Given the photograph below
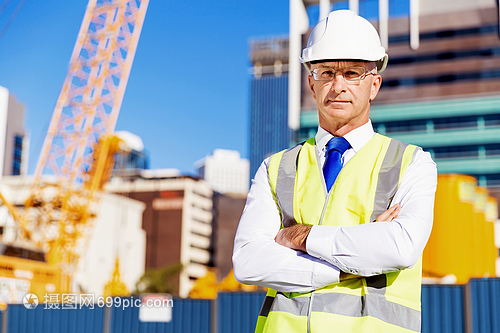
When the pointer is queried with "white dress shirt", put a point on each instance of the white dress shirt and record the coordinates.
(365, 250)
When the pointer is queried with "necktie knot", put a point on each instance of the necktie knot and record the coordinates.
(336, 147)
(339, 144)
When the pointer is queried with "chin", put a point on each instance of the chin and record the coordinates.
(339, 114)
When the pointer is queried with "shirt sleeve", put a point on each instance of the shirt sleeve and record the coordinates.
(383, 247)
(259, 260)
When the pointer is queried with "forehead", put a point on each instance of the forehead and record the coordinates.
(340, 64)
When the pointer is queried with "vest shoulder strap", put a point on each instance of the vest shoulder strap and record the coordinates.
(285, 183)
(389, 176)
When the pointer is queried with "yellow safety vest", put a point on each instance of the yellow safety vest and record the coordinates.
(363, 190)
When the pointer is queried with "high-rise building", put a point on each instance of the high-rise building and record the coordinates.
(269, 131)
(13, 139)
(225, 171)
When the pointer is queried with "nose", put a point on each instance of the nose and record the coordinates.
(338, 83)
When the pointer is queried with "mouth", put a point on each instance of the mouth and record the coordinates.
(337, 102)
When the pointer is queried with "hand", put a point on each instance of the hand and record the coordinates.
(389, 214)
(294, 237)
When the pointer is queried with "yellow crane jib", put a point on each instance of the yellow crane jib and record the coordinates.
(77, 155)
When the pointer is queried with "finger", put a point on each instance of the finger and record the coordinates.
(385, 215)
(278, 236)
(392, 216)
(282, 239)
(389, 214)
(395, 214)
(396, 207)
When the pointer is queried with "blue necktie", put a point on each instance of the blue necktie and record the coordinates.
(336, 147)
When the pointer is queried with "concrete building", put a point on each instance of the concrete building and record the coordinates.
(116, 232)
(227, 214)
(177, 220)
(225, 171)
(13, 139)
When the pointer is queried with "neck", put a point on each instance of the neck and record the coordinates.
(340, 129)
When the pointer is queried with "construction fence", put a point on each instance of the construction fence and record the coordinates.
(470, 308)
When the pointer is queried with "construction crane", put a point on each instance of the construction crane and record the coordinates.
(77, 155)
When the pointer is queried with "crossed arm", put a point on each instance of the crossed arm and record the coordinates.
(295, 237)
(260, 257)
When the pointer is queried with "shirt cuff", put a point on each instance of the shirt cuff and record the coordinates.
(324, 274)
(319, 242)
(319, 245)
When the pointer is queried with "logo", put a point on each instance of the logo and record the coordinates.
(30, 301)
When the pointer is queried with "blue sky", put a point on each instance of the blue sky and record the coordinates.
(188, 90)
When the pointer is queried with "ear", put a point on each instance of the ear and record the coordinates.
(377, 82)
(311, 86)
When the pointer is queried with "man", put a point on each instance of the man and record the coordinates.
(307, 230)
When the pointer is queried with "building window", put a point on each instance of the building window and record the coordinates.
(18, 154)
(466, 151)
(438, 124)
(130, 164)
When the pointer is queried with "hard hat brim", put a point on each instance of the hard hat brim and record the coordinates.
(381, 63)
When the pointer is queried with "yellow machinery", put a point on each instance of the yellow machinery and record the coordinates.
(22, 270)
(207, 286)
(77, 154)
(491, 217)
(462, 238)
(115, 286)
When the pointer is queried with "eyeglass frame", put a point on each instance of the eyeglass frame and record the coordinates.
(361, 77)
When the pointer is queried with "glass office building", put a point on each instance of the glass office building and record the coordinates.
(269, 131)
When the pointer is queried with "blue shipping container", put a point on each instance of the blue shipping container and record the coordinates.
(188, 315)
(238, 312)
(79, 320)
(442, 309)
(485, 305)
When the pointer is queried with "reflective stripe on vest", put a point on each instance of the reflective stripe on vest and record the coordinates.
(346, 305)
(372, 303)
(286, 183)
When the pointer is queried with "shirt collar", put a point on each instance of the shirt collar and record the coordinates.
(357, 138)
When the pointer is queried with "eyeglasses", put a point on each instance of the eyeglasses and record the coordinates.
(350, 74)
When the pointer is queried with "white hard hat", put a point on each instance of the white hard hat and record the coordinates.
(344, 35)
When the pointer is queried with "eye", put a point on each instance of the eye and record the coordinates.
(352, 73)
(326, 73)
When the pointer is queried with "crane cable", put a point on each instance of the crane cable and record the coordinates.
(13, 16)
(3, 6)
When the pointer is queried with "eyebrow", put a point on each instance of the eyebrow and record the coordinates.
(332, 67)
